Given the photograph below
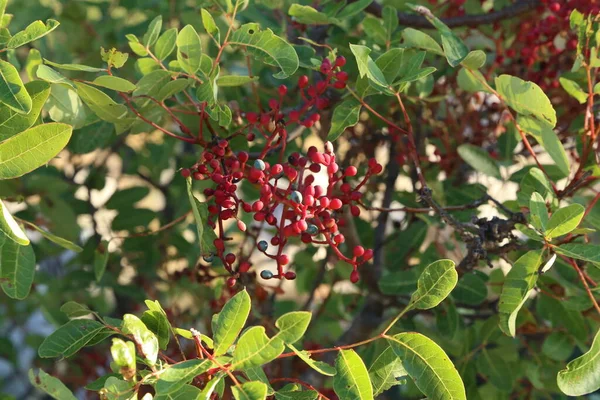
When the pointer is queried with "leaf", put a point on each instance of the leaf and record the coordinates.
(101, 256)
(518, 283)
(421, 40)
(538, 212)
(255, 348)
(543, 133)
(17, 268)
(428, 365)
(209, 25)
(474, 60)
(12, 122)
(526, 98)
(352, 380)
(145, 338)
(74, 310)
(74, 67)
(582, 375)
(471, 81)
(308, 15)
(573, 88)
(127, 197)
(471, 289)
(292, 326)
(12, 91)
(65, 105)
(32, 148)
(123, 354)
(156, 320)
(10, 228)
(34, 31)
(534, 181)
(50, 385)
(250, 391)
(56, 239)
(189, 49)
(345, 115)
(71, 337)
(114, 58)
(353, 9)
(153, 31)
(558, 346)
(166, 44)
(585, 252)
(564, 220)
(228, 324)
(48, 74)
(150, 85)
(367, 67)
(480, 160)
(200, 210)
(496, 369)
(454, 48)
(275, 50)
(114, 83)
(319, 366)
(385, 370)
(101, 104)
(294, 392)
(234, 80)
(435, 284)
(177, 375)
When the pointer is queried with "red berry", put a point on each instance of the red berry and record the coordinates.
(351, 171)
(335, 204)
(185, 173)
(230, 258)
(302, 81)
(368, 255)
(231, 281)
(251, 117)
(342, 76)
(290, 275)
(283, 259)
(340, 61)
(294, 116)
(282, 90)
(339, 85)
(359, 251)
(354, 277)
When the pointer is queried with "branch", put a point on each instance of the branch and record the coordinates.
(471, 20)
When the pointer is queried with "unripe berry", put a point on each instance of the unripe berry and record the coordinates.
(335, 204)
(350, 171)
(197, 176)
(282, 90)
(368, 255)
(219, 244)
(358, 251)
(185, 173)
(231, 281)
(251, 117)
(290, 275)
(342, 76)
(230, 258)
(274, 104)
(340, 61)
(241, 225)
(302, 81)
(266, 274)
(339, 85)
(294, 116)
(354, 277)
(283, 259)
(244, 267)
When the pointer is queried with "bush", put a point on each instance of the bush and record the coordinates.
(254, 200)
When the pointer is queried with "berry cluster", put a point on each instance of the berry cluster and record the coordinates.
(290, 202)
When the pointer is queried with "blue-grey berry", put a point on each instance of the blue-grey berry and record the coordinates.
(260, 165)
(312, 229)
(296, 197)
(266, 274)
(262, 245)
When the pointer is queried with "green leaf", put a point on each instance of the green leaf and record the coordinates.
(177, 375)
(538, 211)
(319, 366)
(250, 391)
(150, 85)
(17, 268)
(352, 380)
(234, 80)
(353, 9)
(495, 369)
(32, 148)
(519, 282)
(345, 115)
(153, 31)
(582, 375)
(367, 67)
(428, 365)
(145, 338)
(209, 25)
(12, 122)
(74, 310)
(171, 88)
(471, 289)
(480, 160)
(65, 105)
(12, 91)
(454, 48)
(114, 58)
(166, 44)
(101, 104)
(200, 210)
(435, 284)
(292, 326)
(127, 197)
(10, 228)
(585, 252)
(34, 31)
(564, 220)
(56, 239)
(74, 67)
(156, 320)
(123, 354)
(573, 88)
(471, 81)
(189, 49)
(294, 392)
(71, 337)
(101, 255)
(275, 50)
(534, 181)
(50, 385)
(308, 15)
(255, 348)
(558, 346)
(48, 74)
(114, 83)
(421, 40)
(526, 98)
(385, 370)
(474, 60)
(543, 133)
(228, 324)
